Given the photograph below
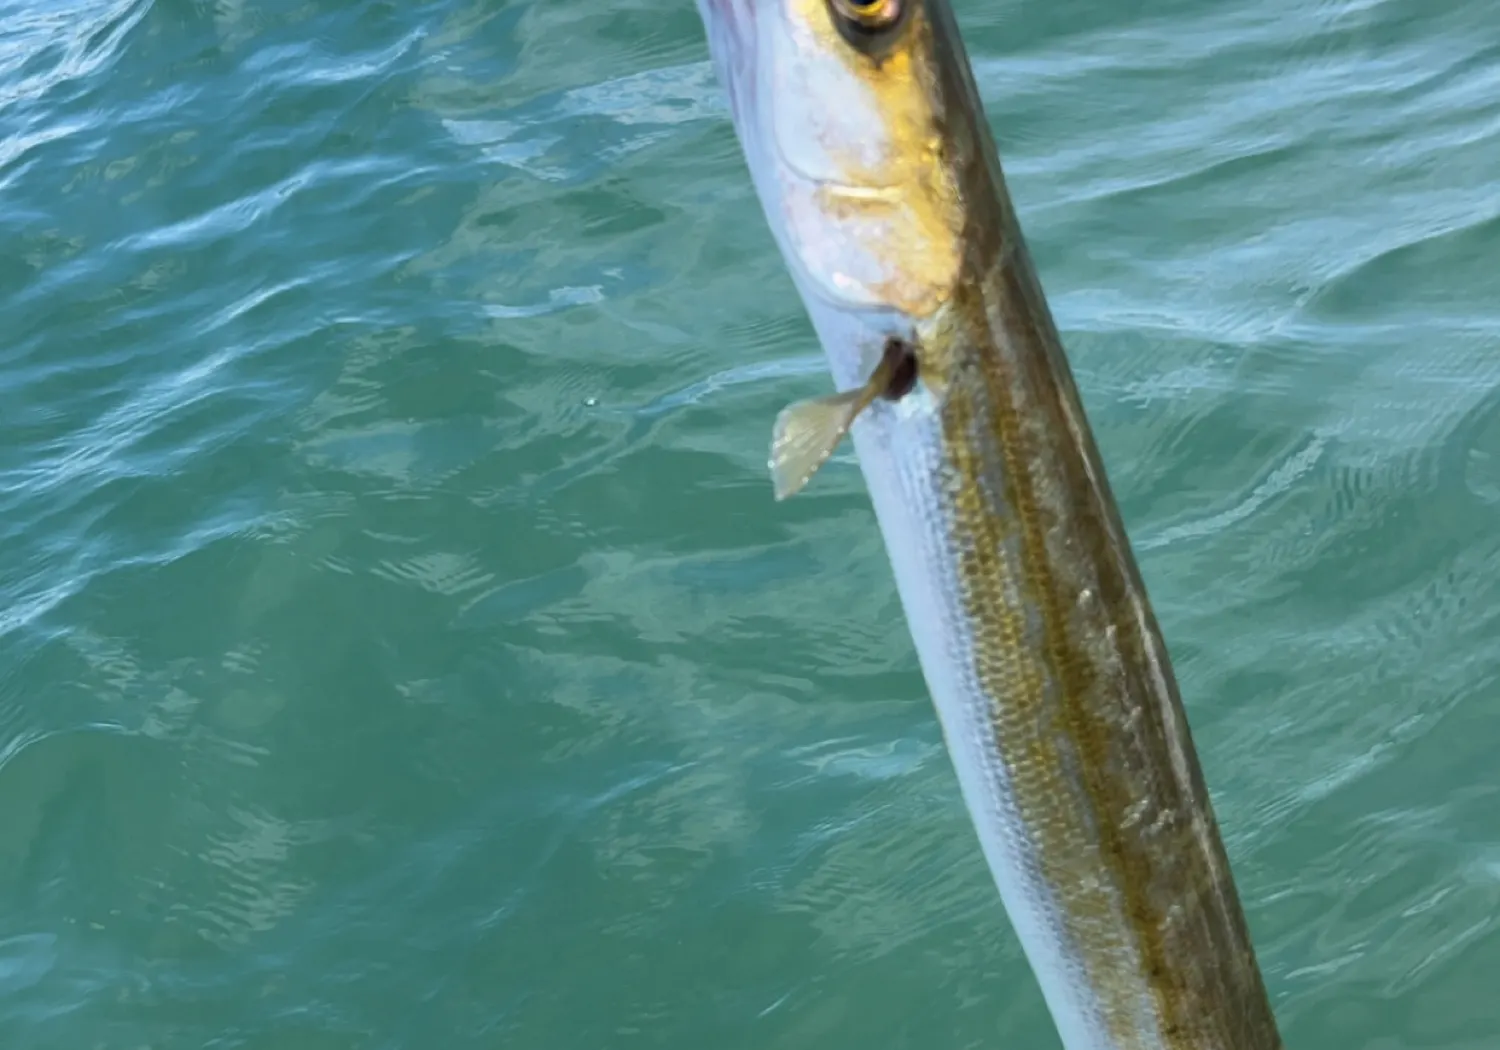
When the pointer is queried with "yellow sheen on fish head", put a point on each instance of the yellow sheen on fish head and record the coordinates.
(867, 184)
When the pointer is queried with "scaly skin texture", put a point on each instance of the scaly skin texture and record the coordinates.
(1047, 668)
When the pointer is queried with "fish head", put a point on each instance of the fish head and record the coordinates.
(861, 128)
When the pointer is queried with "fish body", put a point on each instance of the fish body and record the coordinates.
(866, 141)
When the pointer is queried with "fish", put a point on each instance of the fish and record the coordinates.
(877, 172)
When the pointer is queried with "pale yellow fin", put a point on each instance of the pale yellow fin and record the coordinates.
(805, 435)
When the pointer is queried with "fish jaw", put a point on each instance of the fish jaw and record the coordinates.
(862, 202)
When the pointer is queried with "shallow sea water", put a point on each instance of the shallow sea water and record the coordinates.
(399, 645)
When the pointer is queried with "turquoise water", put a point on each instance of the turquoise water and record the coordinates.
(399, 645)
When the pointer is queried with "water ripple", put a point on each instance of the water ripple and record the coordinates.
(398, 645)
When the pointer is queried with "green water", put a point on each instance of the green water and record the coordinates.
(399, 645)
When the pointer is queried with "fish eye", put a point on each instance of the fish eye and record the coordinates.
(860, 20)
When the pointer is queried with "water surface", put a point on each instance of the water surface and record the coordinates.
(399, 645)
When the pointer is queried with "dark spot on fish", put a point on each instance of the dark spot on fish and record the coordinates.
(900, 364)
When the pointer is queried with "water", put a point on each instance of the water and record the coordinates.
(399, 646)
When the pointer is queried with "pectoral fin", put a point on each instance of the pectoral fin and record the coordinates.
(805, 435)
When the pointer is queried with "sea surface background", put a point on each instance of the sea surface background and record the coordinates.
(400, 647)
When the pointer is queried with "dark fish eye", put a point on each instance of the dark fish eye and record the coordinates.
(865, 18)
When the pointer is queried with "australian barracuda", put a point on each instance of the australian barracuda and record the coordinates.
(869, 150)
